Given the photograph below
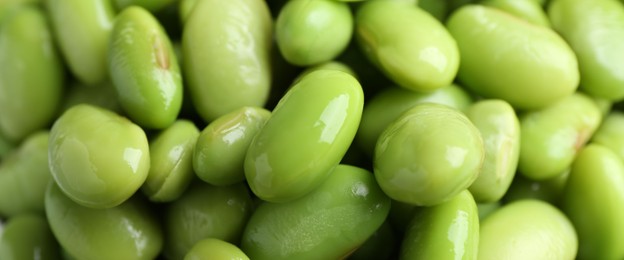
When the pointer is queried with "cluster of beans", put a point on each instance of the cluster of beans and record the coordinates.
(311, 129)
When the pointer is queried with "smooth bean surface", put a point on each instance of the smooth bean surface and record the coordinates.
(309, 32)
(594, 30)
(226, 47)
(390, 33)
(144, 69)
(31, 78)
(500, 129)
(428, 155)
(551, 137)
(127, 231)
(504, 57)
(593, 199)
(171, 162)
(82, 29)
(98, 158)
(328, 223)
(449, 230)
(527, 229)
(307, 134)
(219, 154)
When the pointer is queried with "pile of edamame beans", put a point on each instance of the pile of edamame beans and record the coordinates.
(311, 129)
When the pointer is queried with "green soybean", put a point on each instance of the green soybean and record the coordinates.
(127, 231)
(328, 223)
(220, 151)
(31, 74)
(449, 230)
(309, 32)
(551, 137)
(499, 127)
(206, 211)
(387, 105)
(527, 229)
(98, 158)
(428, 155)
(593, 199)
(504, 57)
(226, 51)
(528, 10)
(171, 162)
(24, 177)
(610, 134)
(392, 35)
(82, 29)
(211, 248)
(28, 237)
(594, 30)
(144, 69)
(308, 133)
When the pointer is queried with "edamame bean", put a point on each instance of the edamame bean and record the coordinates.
(31, 74)
(308, 133)
(504, 57)
(391, 34)
(387, 105)
(528, 10)
(98, 158)
(144, 69)
(428, 155)
(550, 137)
(499, 127)
(171, 162)
(28, 237)
(328, 223)
(219, 154)
(593, 199)
(82, 29)
(449, 230)
(127, 231)
(610, 134)
(24, 177)
(595, 31)
(206, 211)
(211, 248)
(309, 32)
(527, 229)
(225, 46)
